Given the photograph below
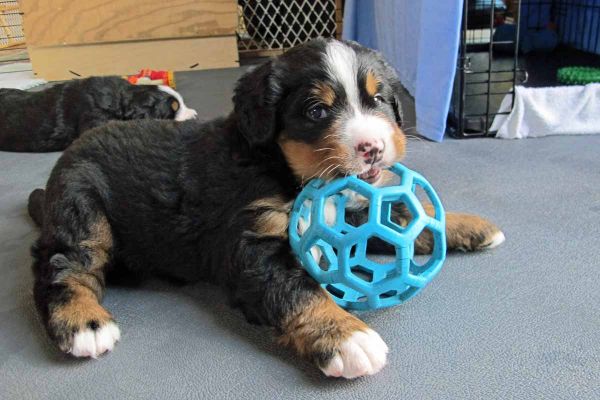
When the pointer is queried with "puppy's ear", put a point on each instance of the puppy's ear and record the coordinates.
(397, 105)
(255, 105)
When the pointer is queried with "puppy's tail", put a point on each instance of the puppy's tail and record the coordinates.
(35, 206)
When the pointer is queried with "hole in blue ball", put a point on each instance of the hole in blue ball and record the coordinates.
(396, 215)
(422, 255)
(353, 251)
(388, 294)
(362, 273)
(335, 291)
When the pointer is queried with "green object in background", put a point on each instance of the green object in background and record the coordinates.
(578, 75)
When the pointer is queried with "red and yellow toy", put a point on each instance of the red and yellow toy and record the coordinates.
(152, 77)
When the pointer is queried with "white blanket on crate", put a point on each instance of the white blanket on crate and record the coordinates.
(564, 110)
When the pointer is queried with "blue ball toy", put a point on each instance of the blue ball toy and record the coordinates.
(334, 252)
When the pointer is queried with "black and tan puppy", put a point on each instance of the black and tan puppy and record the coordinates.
(211, 200)
(49, 120)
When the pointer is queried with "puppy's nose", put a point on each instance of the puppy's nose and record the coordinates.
(371, 151)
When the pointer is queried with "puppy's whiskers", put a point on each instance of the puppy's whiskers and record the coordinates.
(329, 170)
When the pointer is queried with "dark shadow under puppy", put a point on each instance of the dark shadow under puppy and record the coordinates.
(51, 119)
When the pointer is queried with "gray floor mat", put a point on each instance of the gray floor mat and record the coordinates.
(521, 321)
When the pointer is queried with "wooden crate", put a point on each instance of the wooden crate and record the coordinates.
(11, 30)
(339, 18)
(67, 38)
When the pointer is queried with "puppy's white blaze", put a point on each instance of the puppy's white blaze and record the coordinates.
(341, 65)
(87, 343)
(363, 353)
(183, 113)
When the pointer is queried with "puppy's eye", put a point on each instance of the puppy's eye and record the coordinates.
(317, 112)
(378, 98)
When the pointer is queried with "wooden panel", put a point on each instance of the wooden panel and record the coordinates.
(339, 18)
(261, 53)
(57, 62)
(53, 22)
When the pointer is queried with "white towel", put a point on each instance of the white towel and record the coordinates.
(18, 76)
(564, 110)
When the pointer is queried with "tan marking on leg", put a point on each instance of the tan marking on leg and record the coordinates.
(80, 325)
(81, 308)
(464, 232)
(319, 327)
(371, 84)
(85, 286)
(273, 218)
(324, 93)
(99, 244)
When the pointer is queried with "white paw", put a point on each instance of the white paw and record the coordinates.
(497, 240)
(89, 343)
(185, 113)
(364, 353)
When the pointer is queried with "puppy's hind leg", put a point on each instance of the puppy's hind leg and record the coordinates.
(71, 257)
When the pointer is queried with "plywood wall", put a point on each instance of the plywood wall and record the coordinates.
(51, 22)
(77, 38)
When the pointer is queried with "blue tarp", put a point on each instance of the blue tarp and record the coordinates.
(420, 38)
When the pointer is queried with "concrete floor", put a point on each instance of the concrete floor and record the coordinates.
(521, 321)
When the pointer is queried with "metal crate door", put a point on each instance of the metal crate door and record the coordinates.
(488, 66)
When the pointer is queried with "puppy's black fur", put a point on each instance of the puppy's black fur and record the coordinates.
(210, 201)
(51, 119)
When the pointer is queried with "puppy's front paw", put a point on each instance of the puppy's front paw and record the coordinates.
(340, 344)
(464, 232)
(467, 232)
(363, 353)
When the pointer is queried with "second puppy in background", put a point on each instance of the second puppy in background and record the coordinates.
(50, 120)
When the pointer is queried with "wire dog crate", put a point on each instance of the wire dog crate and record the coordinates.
(11, 30)
(268, 27)
(12, 38)
(506, 43)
